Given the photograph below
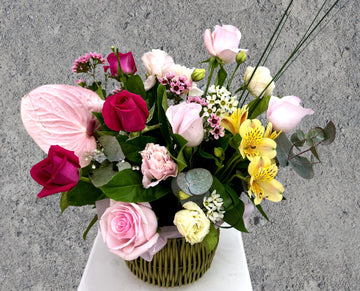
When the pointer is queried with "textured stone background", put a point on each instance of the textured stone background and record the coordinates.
(312, 241)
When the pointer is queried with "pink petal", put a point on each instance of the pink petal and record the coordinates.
(59, 115)
(208, 40)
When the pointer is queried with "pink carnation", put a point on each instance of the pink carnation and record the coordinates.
(156, 165)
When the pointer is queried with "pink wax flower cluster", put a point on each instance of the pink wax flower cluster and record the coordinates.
(156, 165)
(59, 172)
(82, 64)
(129, 229)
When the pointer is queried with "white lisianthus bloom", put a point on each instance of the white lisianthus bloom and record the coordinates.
(259, 81)
(192, 223)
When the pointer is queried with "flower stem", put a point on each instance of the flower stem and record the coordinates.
(232, 76)
(212, 66)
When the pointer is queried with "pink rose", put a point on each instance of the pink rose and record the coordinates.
(185, 120)
(156, 165)
(58, 172)
(127, 64)
(156, 63)
(125, 111)
(223, 42)
(286, 112)
(129, 229)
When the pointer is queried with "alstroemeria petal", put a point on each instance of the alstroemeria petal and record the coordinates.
(59, 115)
(272, 190)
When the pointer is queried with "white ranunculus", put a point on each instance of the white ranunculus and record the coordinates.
(259, 81)
(192, 223)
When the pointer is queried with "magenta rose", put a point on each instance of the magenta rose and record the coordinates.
(156, 165)
(127, 64)
(129, 229)
(58, 172)
(125, 111)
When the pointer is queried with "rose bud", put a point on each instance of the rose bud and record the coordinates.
(127, 64)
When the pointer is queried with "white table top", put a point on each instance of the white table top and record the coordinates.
(105, 271)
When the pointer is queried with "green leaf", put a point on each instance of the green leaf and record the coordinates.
(99, 91)
(260, 106)
(135, 85)
(258, 207)
(103, 174)
(132, 147)
(92, 222)
(330, 133)
(63, 202)
(211, 239)
(127, 186)
(100, 118)
(209, 157)
(84, 193)
(234, 216)
(161, 99)
(179, 159)
(235, 141)
(221, 77)
(300, 134)
(112, 149)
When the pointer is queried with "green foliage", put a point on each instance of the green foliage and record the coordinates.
(132, 147)
(91, 224)
(84, 193)
(179, 157)
(258, 106)
(135, 85)
(211, 240)
(161, 107)
(221, 77)
(100, 118)
(127, 186)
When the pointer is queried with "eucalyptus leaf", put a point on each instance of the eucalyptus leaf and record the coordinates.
(112, 149)
(122, 165)
(330, 133)
(103, 174)
(283, 149)
(302, 166)
(315, 153)
(199, 180)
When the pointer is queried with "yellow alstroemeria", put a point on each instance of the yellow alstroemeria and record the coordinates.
(254, 143)
(233, 122)
(270, 133)
(262, 183)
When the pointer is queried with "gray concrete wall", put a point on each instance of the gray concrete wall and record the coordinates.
(312, 241)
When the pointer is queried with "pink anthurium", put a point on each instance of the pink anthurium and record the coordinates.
(62, 115)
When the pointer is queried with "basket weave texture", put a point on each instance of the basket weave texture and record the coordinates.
(178, 263)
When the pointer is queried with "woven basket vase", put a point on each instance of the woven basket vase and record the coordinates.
(178, 263)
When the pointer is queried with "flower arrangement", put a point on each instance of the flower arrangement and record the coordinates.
(166, 157)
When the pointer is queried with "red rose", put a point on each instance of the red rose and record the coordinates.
(127, 64)
(125, 111)
(58, 172)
